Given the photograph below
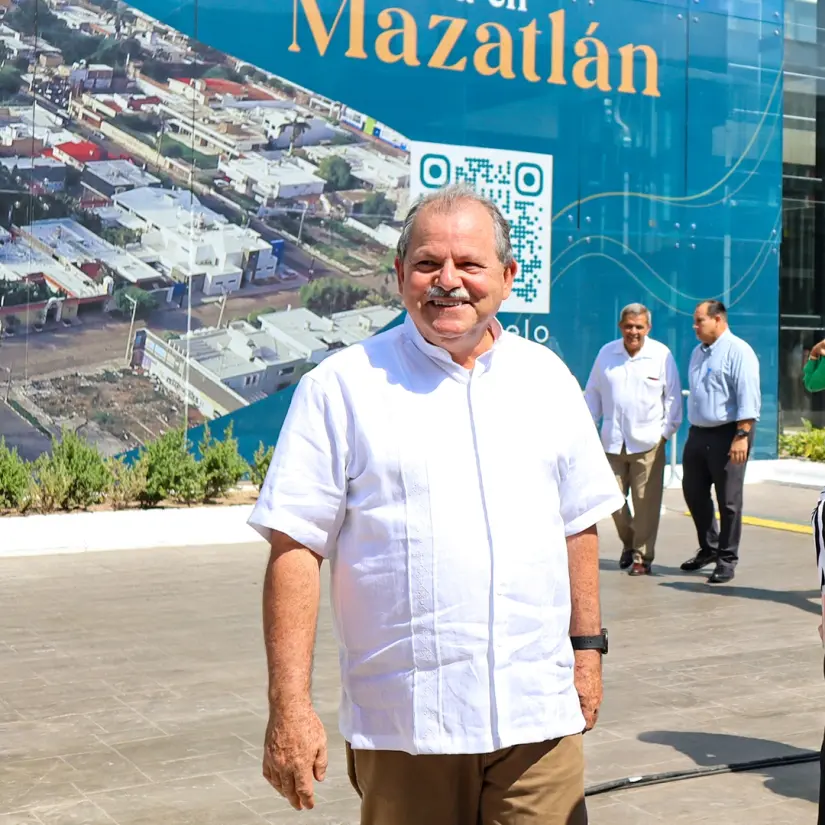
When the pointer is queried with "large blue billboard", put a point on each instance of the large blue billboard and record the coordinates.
(636, 145)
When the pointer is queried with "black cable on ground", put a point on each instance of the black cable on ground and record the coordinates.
(694, 773)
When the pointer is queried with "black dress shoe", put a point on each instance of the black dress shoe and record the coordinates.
(700, 560)
(626, 559)
(720, 576)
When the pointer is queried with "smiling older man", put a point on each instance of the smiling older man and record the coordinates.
(451, 474)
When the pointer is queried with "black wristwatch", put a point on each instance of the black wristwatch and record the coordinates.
(591, 642)
(740, 433)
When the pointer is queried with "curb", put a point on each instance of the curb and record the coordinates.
(125, 530)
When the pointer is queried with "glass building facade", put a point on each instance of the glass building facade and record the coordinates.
(802, 270)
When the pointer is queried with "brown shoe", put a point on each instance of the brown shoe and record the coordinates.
(638, 569)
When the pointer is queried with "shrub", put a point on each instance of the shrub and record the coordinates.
(808, 443)
(88, 478)
(171, 471)
(50, 485)
(14, 478)
(126, 482)
(221, 463)
(260, 464)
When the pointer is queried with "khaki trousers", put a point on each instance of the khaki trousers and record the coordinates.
(537, 784)
(643, 474)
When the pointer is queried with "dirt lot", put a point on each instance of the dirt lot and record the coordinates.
(114, 409)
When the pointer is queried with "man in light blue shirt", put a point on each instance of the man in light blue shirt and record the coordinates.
(723, 409)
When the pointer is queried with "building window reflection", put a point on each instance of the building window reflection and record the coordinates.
(802, 269)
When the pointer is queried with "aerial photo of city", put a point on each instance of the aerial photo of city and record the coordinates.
(136, 163)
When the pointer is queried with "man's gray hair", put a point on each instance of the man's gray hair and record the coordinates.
(445, 200)
(632, 310)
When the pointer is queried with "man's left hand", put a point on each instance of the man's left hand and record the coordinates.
(588, 680)
(739, 451)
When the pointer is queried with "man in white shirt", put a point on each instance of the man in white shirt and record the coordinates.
(450, 473)
(634, 389)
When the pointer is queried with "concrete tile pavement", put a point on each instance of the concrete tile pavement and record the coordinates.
(132, 687)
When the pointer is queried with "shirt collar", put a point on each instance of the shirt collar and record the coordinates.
(619, 349)
(441, 355)
(722, 337)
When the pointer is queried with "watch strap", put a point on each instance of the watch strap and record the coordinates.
(590, 642)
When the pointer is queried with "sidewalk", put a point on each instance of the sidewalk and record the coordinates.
(782, 505)
(132, 686)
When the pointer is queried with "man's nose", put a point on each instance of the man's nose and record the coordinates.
(449, 277)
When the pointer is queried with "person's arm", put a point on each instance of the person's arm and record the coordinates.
(299, 511)
(588, 493)
(673, 398)
(745, 370)
(585, 618)
(813, 373)
(592, 392)
(295, 747)
(291, 596)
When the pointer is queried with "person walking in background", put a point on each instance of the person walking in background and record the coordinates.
(723, 408)
(449, 471)
(813, 379)
(634, 389)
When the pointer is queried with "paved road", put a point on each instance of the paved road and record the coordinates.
(132, 688)
(20, 435)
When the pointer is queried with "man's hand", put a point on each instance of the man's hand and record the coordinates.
(739, 450)
(295, 751)
(818, 351)
(588, 681)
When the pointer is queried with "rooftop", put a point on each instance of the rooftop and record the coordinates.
(359, 324)
(121, 173)
(29, 163)
(368, 164)
(19, 260)
(74, 242)
(82, 150)
(164, 207)
(273, 174)
(313, 332)
(219, 87)
(239, 349)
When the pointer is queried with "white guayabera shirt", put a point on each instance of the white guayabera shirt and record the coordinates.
(638, 397)
(442, 498)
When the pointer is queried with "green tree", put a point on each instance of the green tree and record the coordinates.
(9, 81)
(127, 482)
(221, 464)
(73, 476)
(328, 295)
(260, 464)
(120, 235)
(377, 207)
(14, 478)
(171, 471)
(336, 171)
(146, 302)
(223, 73)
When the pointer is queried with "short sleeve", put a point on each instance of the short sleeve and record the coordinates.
(588, 491)
(304, 494)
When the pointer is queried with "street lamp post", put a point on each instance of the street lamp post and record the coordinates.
(133, 302)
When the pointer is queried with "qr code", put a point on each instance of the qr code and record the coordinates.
(521, 184)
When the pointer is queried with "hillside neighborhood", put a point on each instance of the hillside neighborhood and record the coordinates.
(144, 175)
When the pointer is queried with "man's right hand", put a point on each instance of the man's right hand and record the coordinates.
(295, 751)
(818, 351)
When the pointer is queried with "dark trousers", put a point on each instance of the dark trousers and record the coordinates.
(706, 464)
